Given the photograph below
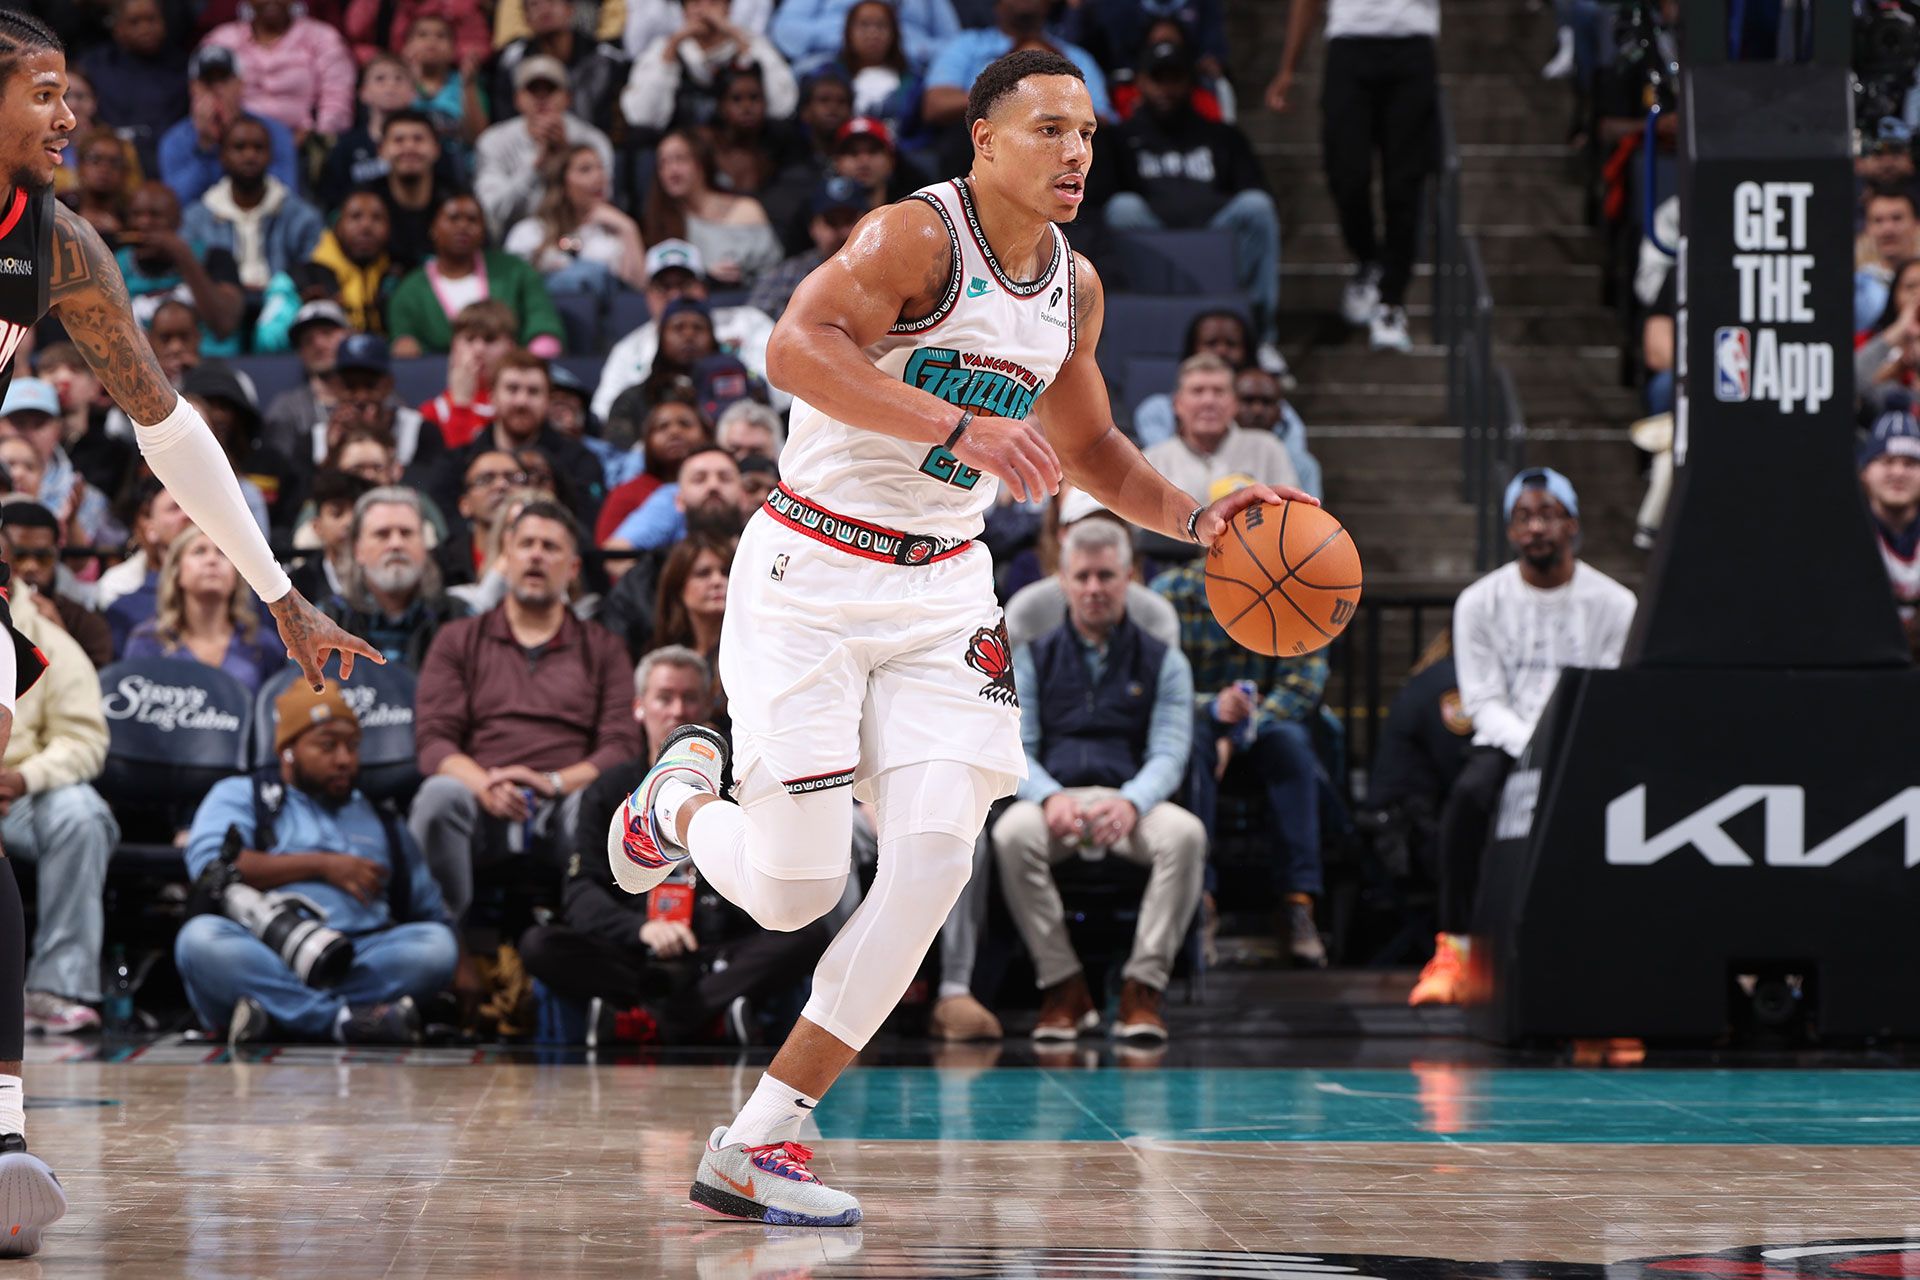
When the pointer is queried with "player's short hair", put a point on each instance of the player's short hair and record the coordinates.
(671, 655)
(1204, 362)
(22, 34)
(1004, 75)
(1096, 535)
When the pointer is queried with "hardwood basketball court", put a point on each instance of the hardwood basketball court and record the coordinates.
(182, 1161)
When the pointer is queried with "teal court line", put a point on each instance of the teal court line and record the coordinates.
(1439, 1104)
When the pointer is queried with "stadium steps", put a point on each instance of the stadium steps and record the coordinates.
(1380, 423)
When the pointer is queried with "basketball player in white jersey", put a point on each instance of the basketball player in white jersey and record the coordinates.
(53, 261)
(946, 350)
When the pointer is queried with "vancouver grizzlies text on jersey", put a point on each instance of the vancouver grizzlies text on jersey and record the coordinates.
(992, 347)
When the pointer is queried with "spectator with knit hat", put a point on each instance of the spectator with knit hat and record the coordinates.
(354, 864)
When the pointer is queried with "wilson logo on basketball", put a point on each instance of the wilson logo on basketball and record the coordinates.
(990, 654)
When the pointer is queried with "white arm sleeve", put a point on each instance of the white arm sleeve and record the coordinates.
(187, 459)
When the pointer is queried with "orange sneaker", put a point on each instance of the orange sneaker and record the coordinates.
(1444, 980)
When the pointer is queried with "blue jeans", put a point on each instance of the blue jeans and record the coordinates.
(69, 834)
(1255, 224)
(1287, 766)
(220, 963)
(1660, 392)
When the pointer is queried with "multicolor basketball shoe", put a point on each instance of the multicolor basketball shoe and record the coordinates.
(770, 1184)
(639, 852)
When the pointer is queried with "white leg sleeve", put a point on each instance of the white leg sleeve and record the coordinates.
(783, 859)
(930, 815)
(188, 460)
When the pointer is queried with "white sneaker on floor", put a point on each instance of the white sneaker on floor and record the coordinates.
(1361, 296)
(1389, 329)
(54, 1015)
(1270, 359)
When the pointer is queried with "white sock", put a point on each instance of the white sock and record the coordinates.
(773, 1114)
(666, 805)
(948, 990)
(13, 1105)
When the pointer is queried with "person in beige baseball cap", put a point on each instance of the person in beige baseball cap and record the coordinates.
(317, 843)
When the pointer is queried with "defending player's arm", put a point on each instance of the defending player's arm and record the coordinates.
(88, 294)
(897, 262)
(1078, 420)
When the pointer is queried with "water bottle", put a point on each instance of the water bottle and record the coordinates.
(1249, 729)
(120, 994)
(520, 834)
(1089, 849)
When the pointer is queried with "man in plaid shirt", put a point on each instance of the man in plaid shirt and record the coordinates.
(1282, 754)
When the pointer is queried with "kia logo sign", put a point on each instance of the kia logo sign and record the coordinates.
(167, 707)
(1785, 810)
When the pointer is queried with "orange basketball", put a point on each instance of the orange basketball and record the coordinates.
(1284, 580)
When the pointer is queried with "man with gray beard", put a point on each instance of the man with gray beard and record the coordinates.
(393, 597)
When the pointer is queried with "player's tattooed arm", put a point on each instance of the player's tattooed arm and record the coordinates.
(933, 287)
(1089, 305)
(89, 295)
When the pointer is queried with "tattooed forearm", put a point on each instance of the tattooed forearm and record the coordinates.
(90, 297)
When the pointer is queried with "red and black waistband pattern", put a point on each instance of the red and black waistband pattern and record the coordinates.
(857, 537)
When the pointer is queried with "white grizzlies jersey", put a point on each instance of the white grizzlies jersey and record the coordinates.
(993, 345)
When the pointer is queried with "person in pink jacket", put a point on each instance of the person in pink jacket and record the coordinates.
(472, 37)
(297, 70)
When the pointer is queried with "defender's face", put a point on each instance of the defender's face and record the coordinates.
(1038, 145)
(37, 121)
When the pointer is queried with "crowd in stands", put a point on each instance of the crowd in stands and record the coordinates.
(477, 300)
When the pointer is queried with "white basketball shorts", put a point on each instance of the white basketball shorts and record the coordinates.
(839, 667)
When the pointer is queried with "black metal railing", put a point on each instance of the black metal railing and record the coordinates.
(1367, 666)
(1481, 398)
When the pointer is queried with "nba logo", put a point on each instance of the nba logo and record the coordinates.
(1732, 364)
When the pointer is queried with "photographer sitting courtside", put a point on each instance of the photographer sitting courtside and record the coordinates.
(311, 833)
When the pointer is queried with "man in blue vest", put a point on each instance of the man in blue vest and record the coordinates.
(1106, 717)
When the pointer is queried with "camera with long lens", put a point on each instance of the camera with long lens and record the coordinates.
(293, 926)
(1886, 50)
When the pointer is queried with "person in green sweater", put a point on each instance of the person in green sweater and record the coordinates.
(463, 270)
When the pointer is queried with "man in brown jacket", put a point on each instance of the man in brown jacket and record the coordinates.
(517, 711)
